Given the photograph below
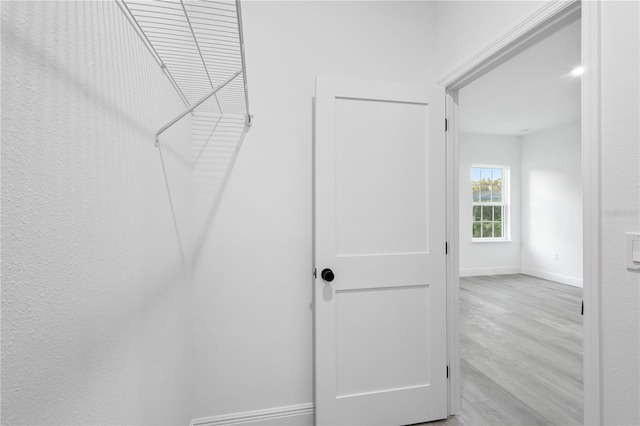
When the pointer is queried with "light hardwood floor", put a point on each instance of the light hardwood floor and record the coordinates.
(521, 352)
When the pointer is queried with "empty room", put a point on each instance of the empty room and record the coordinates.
(255, 212)
(521, 238)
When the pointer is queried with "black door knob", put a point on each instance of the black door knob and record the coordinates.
(327, 275)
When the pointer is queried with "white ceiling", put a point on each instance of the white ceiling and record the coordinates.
(534, 90)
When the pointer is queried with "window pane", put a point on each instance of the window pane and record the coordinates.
(497, 229)
(487, 230)
(497, 213)
(476, 192)
(497, 192)
(487, 213)
(475, 174)
(476, 230)
(485, 184)
(485, 192)
(496, 183)
(477, 213)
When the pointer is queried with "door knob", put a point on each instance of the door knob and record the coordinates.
(327, 275)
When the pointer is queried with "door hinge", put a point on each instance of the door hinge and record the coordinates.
(315, 273)
(582, 309)
(446, 125)
(446, 247)
(447, 371)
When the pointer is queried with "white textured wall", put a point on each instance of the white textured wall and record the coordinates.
(460, 39)
(96, 312)
(552, 204)
(488, 258)
(620, 203)
(254, 287)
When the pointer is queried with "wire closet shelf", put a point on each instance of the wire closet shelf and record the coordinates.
(199, 46)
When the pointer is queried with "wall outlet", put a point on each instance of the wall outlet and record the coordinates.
(555, 256)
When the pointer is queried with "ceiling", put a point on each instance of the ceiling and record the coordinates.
(534, 90)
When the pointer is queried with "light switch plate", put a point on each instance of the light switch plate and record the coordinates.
(633, 251)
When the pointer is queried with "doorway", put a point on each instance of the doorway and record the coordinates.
(521, 238)
(534, 29)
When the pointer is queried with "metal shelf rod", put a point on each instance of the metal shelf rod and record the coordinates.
(244, 71)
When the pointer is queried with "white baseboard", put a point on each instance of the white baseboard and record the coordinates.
(497, 270)
(563, 279)
(292, 415)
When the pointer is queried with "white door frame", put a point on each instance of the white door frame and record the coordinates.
(543, 22)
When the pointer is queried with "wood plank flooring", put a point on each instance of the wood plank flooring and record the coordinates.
(521, 352)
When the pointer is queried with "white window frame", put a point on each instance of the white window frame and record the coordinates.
(505, 203)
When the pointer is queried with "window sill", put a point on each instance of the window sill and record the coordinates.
(484, 240)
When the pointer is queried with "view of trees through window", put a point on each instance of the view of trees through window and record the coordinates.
(488, 202)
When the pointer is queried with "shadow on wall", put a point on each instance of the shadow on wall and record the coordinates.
(78, 77)
(215, 143)
(95, 307)
(217, 140)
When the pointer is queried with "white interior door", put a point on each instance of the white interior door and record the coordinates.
(380, 323)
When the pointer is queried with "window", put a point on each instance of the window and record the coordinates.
(490, 191)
